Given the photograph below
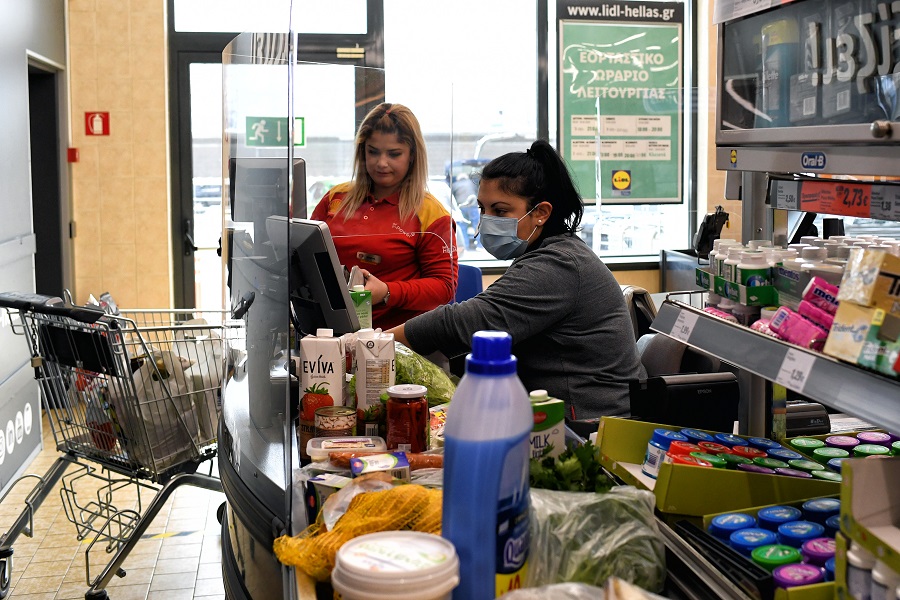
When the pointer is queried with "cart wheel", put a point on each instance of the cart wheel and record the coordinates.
(220, 513)
(96, 595)
(5, 576)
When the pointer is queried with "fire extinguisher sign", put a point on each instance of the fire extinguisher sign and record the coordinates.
(96, 123)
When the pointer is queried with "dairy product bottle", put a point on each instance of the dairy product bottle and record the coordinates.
(486, 458)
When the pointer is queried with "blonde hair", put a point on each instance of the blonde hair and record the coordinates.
(396, 119)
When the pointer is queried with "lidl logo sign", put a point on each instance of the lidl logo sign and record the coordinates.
(621, 183)
(733, 158)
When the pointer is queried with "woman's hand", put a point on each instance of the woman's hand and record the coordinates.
(378, 288)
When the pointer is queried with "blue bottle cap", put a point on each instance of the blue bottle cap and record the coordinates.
(829, 569)
(664, 437)
(764, 443)
(730, 439)
(745, 540)
(491, 354)
(835, 463)
(784, 454)
(832, 525)
(695, 435)
(819, 509)
(773, 516)
(797, 532)
(722, 526)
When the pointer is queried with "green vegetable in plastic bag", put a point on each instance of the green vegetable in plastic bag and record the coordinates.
(587, 537)
(415, 368)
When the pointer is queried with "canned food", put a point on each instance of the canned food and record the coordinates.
(335, 421)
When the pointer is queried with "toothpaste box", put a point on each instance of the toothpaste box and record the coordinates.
(393, 463)
(549, 424)
(318, 489)
(866, 336)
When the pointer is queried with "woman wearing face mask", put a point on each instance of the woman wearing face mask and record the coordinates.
(565, 311)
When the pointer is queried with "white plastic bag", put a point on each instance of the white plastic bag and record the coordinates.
(204, 348)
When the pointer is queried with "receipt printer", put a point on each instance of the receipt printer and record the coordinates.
(701, 400)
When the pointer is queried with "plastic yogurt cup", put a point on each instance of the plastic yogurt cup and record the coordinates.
(792, 473)
(771, 517)
(794, 575)
(820, 509)
(401, 565)
(722, 526)
(797, 532)
(784, 454)
(695, 435)
(745, 540)
(775, 555)
(817, 551)
(867, 450)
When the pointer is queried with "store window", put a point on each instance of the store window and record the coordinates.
(334, 16)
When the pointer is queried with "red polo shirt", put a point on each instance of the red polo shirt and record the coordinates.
(416, 257)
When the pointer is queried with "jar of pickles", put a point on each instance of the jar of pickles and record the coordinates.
(407, 418)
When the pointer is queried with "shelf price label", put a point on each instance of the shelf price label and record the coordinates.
(684, 325)
(787, 194)
(795, 370)
(847, 198)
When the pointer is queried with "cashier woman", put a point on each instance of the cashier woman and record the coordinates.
(564, 309)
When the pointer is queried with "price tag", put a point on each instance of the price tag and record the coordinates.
(848, 198)
(684, 325)
(886, 202)
(787, 196)
(748, 7)
(795, 370)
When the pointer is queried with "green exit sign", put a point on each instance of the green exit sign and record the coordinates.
(273, 131)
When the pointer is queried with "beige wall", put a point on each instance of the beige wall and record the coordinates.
(117, 60)
(647, 279)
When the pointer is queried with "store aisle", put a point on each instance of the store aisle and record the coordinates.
(179, 557)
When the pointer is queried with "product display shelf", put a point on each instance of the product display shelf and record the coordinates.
(864, 394)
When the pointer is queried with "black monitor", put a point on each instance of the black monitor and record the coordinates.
(258, 185)
(319, 297)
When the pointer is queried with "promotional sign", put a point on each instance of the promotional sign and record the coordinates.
(620, 90)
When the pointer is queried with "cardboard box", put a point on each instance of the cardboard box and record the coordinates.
(858, 336)
(762, 295)
(318, 489)
(393, 463)
(872, 278)
(870, 506)
(695, 491)
(789, 285)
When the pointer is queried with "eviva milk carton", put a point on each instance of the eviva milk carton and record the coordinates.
(549, 421)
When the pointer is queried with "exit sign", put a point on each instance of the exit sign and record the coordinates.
(273, 131)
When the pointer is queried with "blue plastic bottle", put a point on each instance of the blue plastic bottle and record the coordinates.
(486, 456)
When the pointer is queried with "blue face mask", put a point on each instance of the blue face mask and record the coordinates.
(499, 236)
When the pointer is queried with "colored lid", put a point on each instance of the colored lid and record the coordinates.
(664, 437)
(793, 575)
(895, 448)
(784, 454)
(724, 525)
(792, 473)
(835, 463)
(866, 450)
(874, 437)
(819, 509)
(748, 452)
(764, 443)
(829, 569)
(803, 443)
(695, 435)
(687, 459)
(730, 439)
(733, 460)
(772, 463)
(769, 557)
(714, 448)
(833, 525)
(805, 465)
(676, 448)
(797, 532)
(715, 461)
(491, 354)
(751, 468)
(826, 453)
(841, 441)
(745, 540)
(827, 475)
(818, 550)
(771, 517)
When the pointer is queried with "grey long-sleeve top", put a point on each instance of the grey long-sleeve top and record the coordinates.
(566, 313)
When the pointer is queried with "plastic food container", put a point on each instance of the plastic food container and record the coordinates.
(826, 453)
(745, 540)
(833, 525)
(829, 569)
(773, 516)
(751, 468)
(844, 442)
(867, 450)
(806, 445)
(785, 454)
(730, 440)
(794, 575)
(695, 436)
(874, 437)
(817, 551)
(827, 475)
(770, 557)
(714, 448)
(797, 532)
(677, 448)
(715, 461)
(722, 526)
(681, 459)
(819, 510)
(656, 450)
(771, 463)
(748, 452)
(318, 448)
(805, 465)
(792, 473)
(396, 565)
(835, 463)
(764, 443)
(733, 460)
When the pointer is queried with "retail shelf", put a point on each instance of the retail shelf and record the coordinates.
(869, 396)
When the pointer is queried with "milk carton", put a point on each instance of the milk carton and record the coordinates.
(376, 371)
(321, 380)
(549, 422)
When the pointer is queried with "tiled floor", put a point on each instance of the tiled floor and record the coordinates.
(51, 564)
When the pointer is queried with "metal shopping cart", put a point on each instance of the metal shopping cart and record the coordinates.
(132, 400)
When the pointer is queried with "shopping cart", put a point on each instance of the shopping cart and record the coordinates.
(132, 400)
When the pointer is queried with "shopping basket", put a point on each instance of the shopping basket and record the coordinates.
(132, 399)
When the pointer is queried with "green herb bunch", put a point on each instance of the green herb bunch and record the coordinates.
(577, 469)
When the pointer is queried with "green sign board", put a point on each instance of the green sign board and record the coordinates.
(620, 91)
(273, 131)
